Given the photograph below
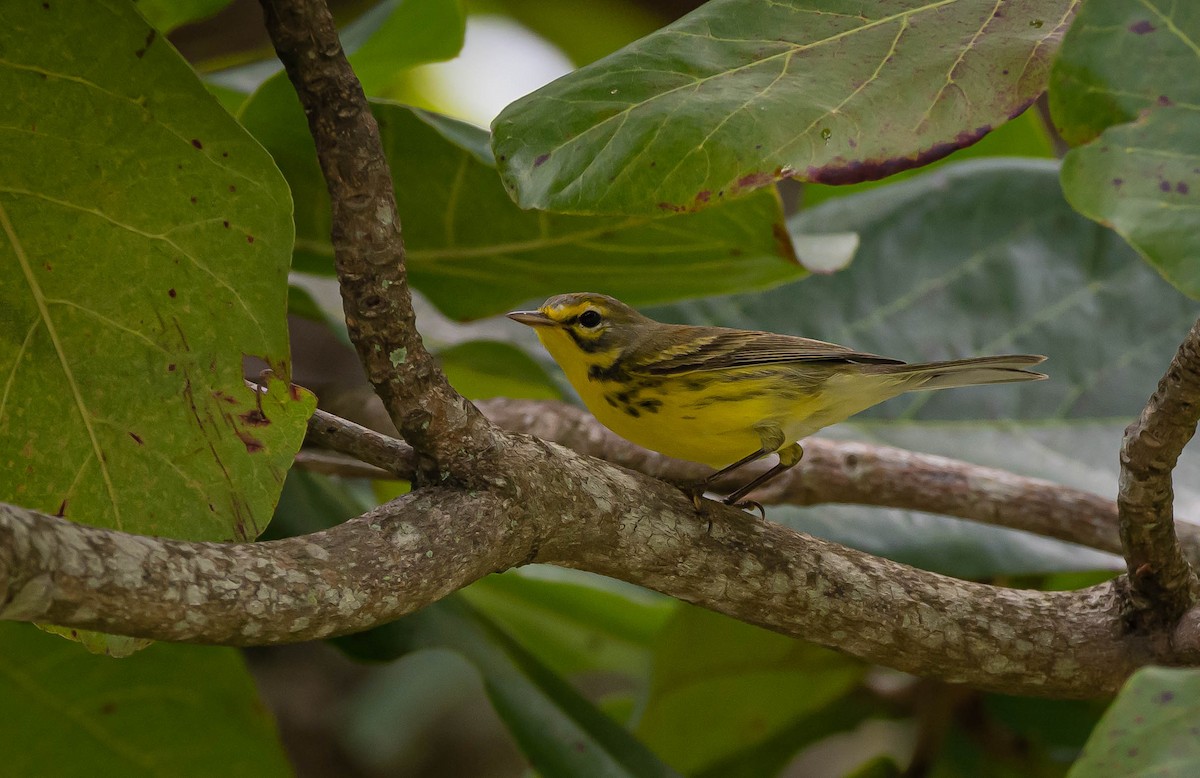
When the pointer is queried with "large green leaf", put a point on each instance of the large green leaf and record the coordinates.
(741, 683)
(978, 258)
(1150, 730)
(171, 710)
(1120, 58)
(561, 732)
(742, 93)
(473, 253)
(1143, 180)
(145, 242)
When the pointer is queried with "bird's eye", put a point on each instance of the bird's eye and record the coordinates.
(590, 319)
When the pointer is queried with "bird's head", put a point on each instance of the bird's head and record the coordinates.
(584, 327)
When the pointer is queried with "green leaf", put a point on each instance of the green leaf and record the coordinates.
(166, 15)
(144, 239)
(1143, 180)
(481, 369)
(977, 258)
(172, 709)
(741, 93)
(572, 621)
(473, 253)
(1150, 730)
(145, 242)
(1120, 58)
(561, 732)
(740, 684)
(397, 35)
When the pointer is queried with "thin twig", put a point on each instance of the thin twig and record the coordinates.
(328, 463)
(1162, 583)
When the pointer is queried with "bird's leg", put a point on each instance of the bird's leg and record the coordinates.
(698, 489)
(772, 439)
(788, 457)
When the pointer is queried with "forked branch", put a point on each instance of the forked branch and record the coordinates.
(443, 428)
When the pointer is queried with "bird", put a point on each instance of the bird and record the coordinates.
(727, 397)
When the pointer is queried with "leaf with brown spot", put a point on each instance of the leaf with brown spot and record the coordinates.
(100, 352)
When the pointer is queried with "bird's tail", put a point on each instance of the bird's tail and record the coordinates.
(965, 372)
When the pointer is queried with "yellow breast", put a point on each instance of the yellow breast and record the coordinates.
(702, 417)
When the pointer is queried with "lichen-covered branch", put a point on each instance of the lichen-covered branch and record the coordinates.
(563, 508)
(831, 472)
(442, 427)
(1163, 584)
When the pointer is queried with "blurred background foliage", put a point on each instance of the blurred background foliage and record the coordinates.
(586, 676)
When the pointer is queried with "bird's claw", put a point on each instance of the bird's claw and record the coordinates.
(747, 505)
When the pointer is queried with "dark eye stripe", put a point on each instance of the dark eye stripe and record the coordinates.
(591, 346)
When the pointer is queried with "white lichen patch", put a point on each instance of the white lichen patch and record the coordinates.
(30, 601)
(349, 602)
(315, 551)
(84, 613)
(407, 536)
(750, 567)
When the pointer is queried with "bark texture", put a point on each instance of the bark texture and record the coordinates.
(1164, 587)
(368, 248)
(831, 472)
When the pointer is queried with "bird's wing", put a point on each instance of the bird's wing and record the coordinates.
(716, 348)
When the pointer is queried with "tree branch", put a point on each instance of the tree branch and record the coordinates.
(532, 501)
(1163, 584)
(368, 249)
(831, 472)
(578, 512)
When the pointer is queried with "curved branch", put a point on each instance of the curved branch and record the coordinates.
(368, 249)
(1163, 584)
(415, 550)
(831, 472)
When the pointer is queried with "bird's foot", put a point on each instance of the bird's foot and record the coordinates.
(747, 505)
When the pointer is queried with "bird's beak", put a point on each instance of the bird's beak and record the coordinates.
(532, 318)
